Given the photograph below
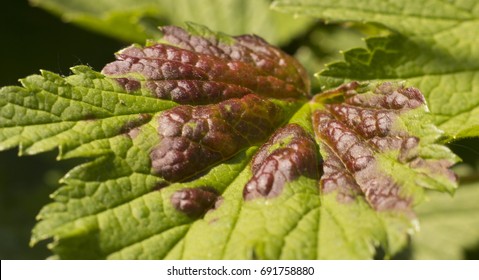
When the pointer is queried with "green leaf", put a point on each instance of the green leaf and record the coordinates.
(137, 20)
(206, 146)
(449, 226)
(432, 45)
(83, 109)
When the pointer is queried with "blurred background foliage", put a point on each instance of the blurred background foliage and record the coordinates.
(34, 39)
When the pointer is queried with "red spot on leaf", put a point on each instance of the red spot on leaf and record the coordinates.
(195, 202)
(355, 131)
(204, 70)
(296, 156)
(195, 138)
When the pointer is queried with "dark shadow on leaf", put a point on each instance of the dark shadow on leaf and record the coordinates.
(472, 253)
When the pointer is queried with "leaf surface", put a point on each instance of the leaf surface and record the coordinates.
(137, 20)
(433, 49)
(206, 146)
(442, 218)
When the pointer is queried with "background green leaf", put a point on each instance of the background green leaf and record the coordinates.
(137, 20)
(432, 49)
(449, 226)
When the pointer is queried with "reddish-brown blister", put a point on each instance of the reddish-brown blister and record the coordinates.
(385, 96)
(295, 156)
(192, 138)
(336, 178)
(353, 132)
(249, 49)
(196, 70)
(195, 202)
(195, 91)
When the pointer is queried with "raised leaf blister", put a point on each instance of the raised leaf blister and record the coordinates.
(365, 140)
(195, 202)
(190, 69)
(194, 138)
(288, 154)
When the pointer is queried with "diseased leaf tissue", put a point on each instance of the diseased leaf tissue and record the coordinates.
(215, 137)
